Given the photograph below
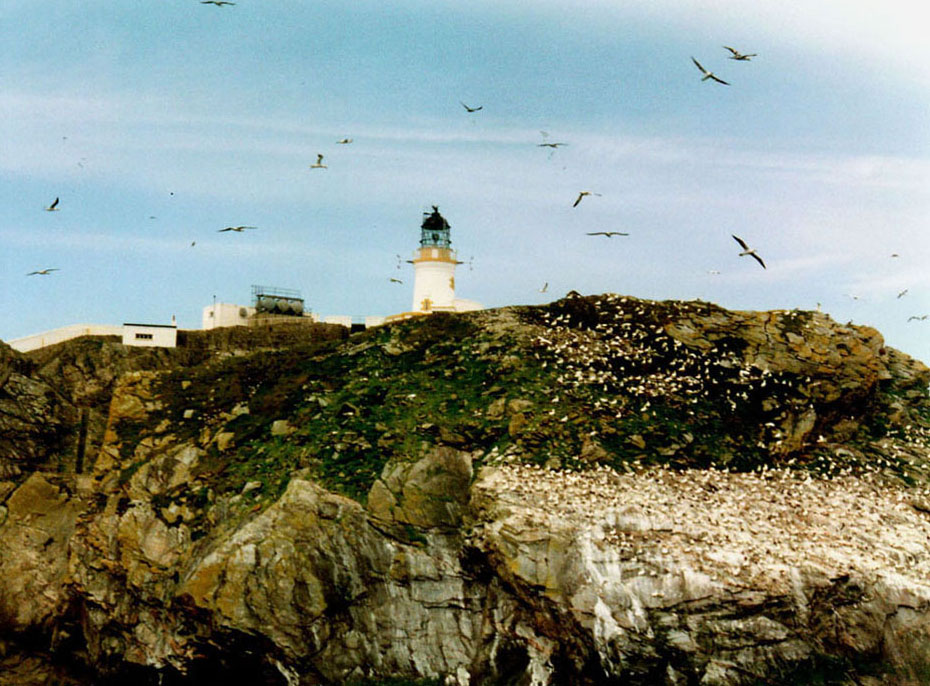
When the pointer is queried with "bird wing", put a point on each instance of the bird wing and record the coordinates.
(597, 233)
(698, 65)
(228, 228)
(580, 196)
(741, 242)
(758, 259)
(735, 53)
(718, 80)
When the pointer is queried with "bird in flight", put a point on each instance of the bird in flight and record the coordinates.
(53, 207)
(920, 319)
(344, 141)
(737, 55)
(707, 74)
(747, 250)
(319, 163)
(44, 272)
(393, 280)
(607, 234)
(550, 145)
(237, 229)
(902, 293)
(581, 195)
(544, 288)
(218, 3)
(471, 109)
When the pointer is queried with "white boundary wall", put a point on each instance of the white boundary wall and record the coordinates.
(65, 333)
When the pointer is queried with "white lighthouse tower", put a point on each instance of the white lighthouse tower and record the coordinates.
(434, 267)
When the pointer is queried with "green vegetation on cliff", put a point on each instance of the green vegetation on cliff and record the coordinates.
(586, 380)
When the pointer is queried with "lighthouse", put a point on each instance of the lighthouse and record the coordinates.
(434, 267)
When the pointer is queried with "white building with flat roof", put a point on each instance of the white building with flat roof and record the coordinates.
(226, 314)
(151, 335)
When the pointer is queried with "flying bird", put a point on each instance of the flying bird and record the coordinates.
(737, 55)
(237, 229)
(344, 141)
(902, 294)
(607, 234)
(218, 3)
(920, 319)
(544, 288)
(707, 74)
(550, 145)
(581, 195)
(319, 163)
(471, 109)
(747, 250)
(393, 280)
(53, 207)
(44, 272)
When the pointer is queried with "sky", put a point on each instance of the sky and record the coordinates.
(159, 123)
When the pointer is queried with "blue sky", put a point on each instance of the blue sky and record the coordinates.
(159, 123)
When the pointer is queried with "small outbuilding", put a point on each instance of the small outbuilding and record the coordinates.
(151, 335)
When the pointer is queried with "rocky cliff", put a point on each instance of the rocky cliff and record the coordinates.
(601, 490)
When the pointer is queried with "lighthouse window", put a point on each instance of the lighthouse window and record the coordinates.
(436, 237)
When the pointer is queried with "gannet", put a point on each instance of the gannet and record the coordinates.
(581, 195)
(739, 56)
(747, 250)
(707, 74)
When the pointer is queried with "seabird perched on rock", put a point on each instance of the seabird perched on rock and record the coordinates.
(44, 272)
(53, 207)
(608, 234)
(581, 195)
(319, 163)
(707, 74)
(747, 250)
(737, 55)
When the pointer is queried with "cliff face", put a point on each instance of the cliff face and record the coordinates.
(602, 490)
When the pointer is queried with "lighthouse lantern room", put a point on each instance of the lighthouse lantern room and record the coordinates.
(434, 266)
